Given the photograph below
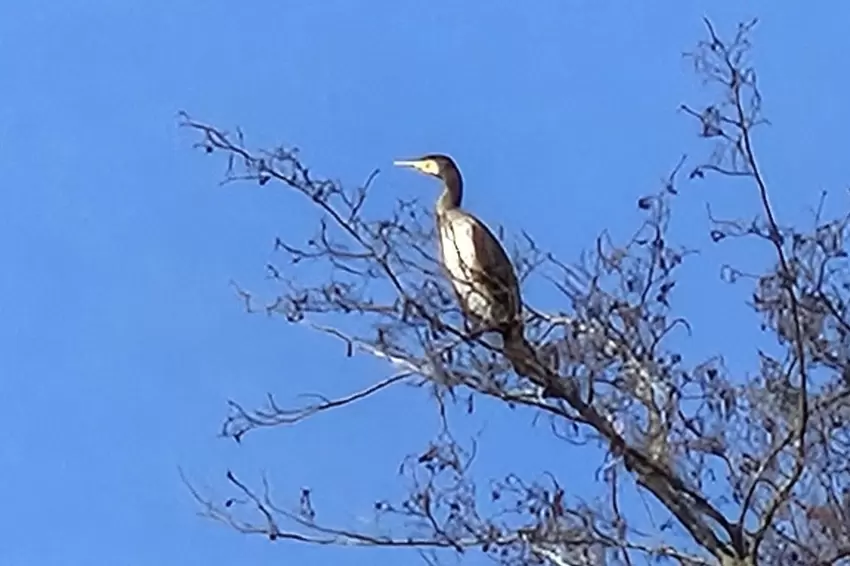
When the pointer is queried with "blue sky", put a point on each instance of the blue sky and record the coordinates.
(121, 339)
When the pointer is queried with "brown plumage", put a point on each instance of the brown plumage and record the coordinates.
(474, 260)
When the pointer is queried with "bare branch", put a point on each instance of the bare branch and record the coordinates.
(750, 466)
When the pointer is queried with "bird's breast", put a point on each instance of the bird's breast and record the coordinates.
(457, 246)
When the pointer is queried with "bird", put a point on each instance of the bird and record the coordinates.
(481, 274)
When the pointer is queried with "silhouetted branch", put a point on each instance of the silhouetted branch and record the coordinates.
(754, 470)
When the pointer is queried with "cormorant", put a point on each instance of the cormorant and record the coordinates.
(480, 271)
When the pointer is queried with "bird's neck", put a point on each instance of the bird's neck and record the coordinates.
(452, 192)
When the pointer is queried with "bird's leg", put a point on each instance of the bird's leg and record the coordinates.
(467, 325)
(479, 330)
(474, 331)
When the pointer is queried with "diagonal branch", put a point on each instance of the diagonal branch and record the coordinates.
(687, 505)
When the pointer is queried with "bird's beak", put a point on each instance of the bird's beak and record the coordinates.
(414, 163)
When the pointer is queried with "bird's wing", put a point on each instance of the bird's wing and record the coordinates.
(494, 260)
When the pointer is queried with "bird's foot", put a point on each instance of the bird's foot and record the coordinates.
(476, 331)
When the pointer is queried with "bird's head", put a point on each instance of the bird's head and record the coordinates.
(436, 165)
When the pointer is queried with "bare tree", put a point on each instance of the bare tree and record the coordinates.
(746, 471)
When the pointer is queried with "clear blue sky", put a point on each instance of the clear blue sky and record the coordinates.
(120, 338)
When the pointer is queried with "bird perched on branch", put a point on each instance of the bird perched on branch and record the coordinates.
(475, 262)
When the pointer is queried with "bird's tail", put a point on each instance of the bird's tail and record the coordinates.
(517, 349)
(513, 334)
(522, 355)
(526, 363)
